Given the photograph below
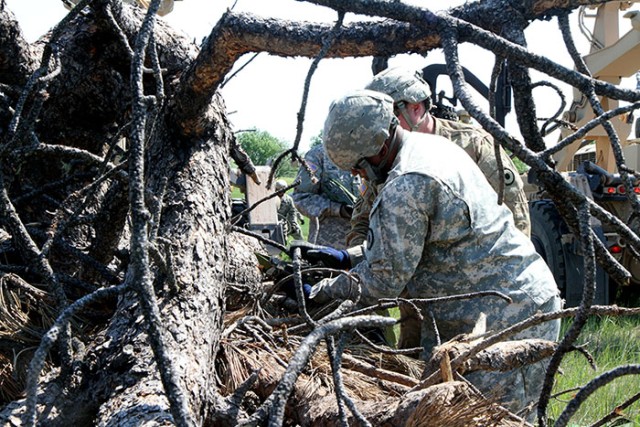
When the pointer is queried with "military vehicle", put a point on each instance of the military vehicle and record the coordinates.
(588, 163)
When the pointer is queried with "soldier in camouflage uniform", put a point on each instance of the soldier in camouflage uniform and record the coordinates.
(287, 212)
(437, 230)
(329, 196)
(411, 96)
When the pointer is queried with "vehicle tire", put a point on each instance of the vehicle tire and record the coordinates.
(547, 228)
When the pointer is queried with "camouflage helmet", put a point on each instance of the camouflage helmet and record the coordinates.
(402, 84)
(281, 184)
(357, 126)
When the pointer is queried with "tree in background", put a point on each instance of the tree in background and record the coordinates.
(263, 148)
(316, 140)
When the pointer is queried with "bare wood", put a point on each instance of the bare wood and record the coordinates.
(502, 356)
(445, 368)
(357, 365)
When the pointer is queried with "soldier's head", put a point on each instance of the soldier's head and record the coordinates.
(463, 116)
(358, 134)
(411, 95)
(281, 184)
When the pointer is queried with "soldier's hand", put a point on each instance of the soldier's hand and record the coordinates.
(328, 256)
(289, 288)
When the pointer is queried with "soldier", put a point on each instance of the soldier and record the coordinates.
(327, 198)
(412, 101)
(287, 212)
(464, 116)
(436, 230)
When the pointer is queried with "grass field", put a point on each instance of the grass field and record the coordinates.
(612, 342)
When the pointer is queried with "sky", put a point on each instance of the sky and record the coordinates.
(267, 94)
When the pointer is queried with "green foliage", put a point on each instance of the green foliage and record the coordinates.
(261, 146)
(520, 165)
(612, 342)
(316, 140)
(264, 148)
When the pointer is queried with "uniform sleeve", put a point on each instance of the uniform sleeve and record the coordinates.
(398, 233)
(514, 195)
(360, 217)
(307, 196)
(291, 212)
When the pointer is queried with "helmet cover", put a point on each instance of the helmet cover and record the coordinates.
(357, 126)
(402, 84)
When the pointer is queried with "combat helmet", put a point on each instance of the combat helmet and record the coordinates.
(403, 85)
(357, 126)
(281, 184)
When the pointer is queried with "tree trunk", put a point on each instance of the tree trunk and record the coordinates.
(115, 380)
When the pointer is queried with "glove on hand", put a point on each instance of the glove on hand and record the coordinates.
(330, 257)
(289, 288)
(346, 211)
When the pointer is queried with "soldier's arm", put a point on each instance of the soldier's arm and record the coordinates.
(514, 196)
(360, 217)
(307, 196)
(292, 213)
(395, 246)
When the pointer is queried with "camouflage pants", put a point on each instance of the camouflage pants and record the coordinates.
(519, 388)
(514, 389)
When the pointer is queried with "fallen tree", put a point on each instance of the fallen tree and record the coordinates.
(121, 274)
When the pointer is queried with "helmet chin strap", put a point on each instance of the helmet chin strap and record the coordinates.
(405, 114)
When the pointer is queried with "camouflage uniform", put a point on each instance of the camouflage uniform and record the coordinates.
(479, 146)
(436, 230)
(288, 214)
(325, 198)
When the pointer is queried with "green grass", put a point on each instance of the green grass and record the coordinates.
(612, 342)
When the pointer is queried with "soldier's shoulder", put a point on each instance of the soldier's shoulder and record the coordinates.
(458, 131)
(315, 151)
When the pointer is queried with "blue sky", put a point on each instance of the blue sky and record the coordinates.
(267, 94)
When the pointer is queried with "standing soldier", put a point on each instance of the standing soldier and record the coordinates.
(287, 212)
(412, 101)
(327, 198)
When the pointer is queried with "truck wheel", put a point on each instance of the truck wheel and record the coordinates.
(547, 227)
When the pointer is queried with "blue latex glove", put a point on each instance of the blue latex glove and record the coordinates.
(289, 288)
(330, 257)
(306, 290)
